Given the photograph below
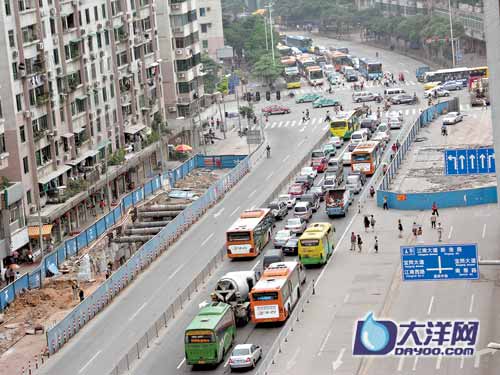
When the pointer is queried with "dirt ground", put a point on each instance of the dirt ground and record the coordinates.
(42, 308)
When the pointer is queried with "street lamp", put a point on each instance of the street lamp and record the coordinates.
(265, 32)
(451, 35)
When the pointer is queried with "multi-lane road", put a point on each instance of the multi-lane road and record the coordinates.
(112, 333)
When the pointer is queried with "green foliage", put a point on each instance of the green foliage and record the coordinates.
(117, 158)
(233, 7)
(265, 69)
(160, 125)
(223, 86)
(4, 182)
(247, 111)
(211, 70)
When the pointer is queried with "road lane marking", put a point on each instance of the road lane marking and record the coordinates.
(273, 125)
(313, 121)
(207, 239)
(438, 362)
(401, 363)
(462, 359)
(471, 305)
(338, 362)
(255, 265)
(252, 193)
(301, 143)
(286, 158)
(430, 306)
(484, 230)
(286, 124)
(178, 269)
(220, 211)
(293, 123)
(451, 231)
(227, 362)
(182, 362)
(138, 311)
(414, 367)
(269, 176)
(325, 127)
(322, 347)
(302, 129)
(234, 211)
(89, 362)
(346, 298)
(279, 125)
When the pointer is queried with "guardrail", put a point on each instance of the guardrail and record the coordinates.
(62, 332)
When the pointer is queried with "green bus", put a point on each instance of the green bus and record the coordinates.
(210, 334)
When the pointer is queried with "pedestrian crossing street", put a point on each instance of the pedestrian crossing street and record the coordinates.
(347, 87)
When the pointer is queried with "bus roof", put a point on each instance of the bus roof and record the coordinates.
(316, 230)
(367, 146)
(343, 115)
(209, 316)
(298, 37)
(275, 276)
(367, 60)
(313, 67)
(453, 70)
(249, 219)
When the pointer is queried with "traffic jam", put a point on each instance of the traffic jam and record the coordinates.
(297, 229)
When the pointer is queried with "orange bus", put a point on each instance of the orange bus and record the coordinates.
(250, 233)
(366, 157)
(274, 296)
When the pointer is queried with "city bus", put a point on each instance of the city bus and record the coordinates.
(210, 334)
(274, 296)
(250, 233)
(366, 157)
(370, 69)
(314, 75)
(316, 244)
(304, 62)
(443, 75)
(338, 59)
(344, 124)
(292, 79)
(301, 42)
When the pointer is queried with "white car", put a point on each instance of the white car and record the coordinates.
(395, 114)
(346, 158)
(245, 356)
(381, 137)
(395, 123)
(452, 118)
(336, 141)
(296, 225)
(281, 237)
(438, 90)
(309, 171)
(288, 199)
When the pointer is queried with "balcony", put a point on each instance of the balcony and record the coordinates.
(39, 134)
(42, 99)
(4, 160)
(178, 7)
(187, 75)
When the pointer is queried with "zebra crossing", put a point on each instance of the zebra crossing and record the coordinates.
(347, 87)
(468, 107)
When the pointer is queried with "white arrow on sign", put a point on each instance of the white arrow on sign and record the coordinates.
(338, 362)
(489, 160)
(454, 158)
(462, 161)
(482, 157)
(472, 158)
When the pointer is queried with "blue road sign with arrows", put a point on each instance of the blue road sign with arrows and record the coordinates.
(469, 161)
(439, 262)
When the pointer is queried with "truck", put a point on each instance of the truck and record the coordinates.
(234, 289)
(419, 73)
(479, 92)
(337, 201)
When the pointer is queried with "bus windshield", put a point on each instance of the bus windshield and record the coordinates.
(374, 68)
(194, 338)
(315, 74)
(360, 157)
(238, 236)
(309, 242)
(265, 296)
(338, 124)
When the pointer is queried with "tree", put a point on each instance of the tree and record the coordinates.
(233, 8)
(265, 70)
(211, 70)
(248, 112)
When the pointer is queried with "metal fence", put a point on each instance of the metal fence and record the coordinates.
(58, 335)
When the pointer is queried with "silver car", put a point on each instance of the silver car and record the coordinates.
(245, 356)
(281, 237)
(296, 225)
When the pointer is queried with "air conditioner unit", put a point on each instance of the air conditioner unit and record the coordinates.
(106, 106)
(172, 109)
(99, 110)
(108, 23)
(179, 51)
(99, 138)
(82, 31)
(92, 56)
(208, 9)
(27, 114)
(50, 74)
(32, 208)
(15, 54)
(55, 39)
(134, 120)
(178, 30)
(39, 46)
(104, 77)
(111, 76)
(176, 6)
(99, 26)
(80, 2)
(110, 133)
(58, 162)
(59, 71)
(101, 53)
(147, 36)
(85, 60)
(182, 75)
(96, 84)
(129, 15)
(123, 18)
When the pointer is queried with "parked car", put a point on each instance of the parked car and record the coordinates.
(319, 165)
(307, 181)
(325, 102)
(288, 199)
(291, 247)
(329, 149)
(303, 210)
(279, 209)
(296, 190)
(275, 109)
(336, 141)
(307, 98)
(402, 99)
(452, 118)
(281, 237)
(319, 191)
(313, 199)
(296, 225)
(309, 171)
(353, 184)
(245, 356)
(395, 123)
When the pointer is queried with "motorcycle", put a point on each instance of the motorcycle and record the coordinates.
(291, 94)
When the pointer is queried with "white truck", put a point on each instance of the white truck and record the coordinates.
(337, 202)
(234, 288)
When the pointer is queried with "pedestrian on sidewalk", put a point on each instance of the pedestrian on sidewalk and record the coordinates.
(414, 229)
(74, 289)
(433, 220)
(353, 241)
(81, 294)
(484, 104)
(400, 229)
(308, 117)
(386, 205)
(419, 232)
(435, 209)
(372, 223)
(375, 246)
(218, 123)
(440, 232)
(366, 222)
(360, 243)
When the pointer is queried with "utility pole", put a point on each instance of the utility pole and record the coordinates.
(271, 31)
(451, 36)
(265, 32)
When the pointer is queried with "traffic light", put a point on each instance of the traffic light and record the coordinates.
(278, 95)
(257, 96)
(268, 95)
(249, 97)
(226, 114)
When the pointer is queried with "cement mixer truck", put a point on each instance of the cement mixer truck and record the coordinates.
(234, 288)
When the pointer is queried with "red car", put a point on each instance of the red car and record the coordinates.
(319, 164)
(275, 109)
(296, 190)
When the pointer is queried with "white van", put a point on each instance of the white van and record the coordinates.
(303, 210)
(393, 91)
(359, 136)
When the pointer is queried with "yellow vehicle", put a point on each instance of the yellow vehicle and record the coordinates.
(316, 244)
(344, 124)
(431, 85)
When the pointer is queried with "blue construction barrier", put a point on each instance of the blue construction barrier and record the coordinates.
(58, 335)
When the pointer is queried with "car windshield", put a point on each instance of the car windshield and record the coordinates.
(241, 351)
(295, 189)
(274, 206)
(452, 114)
(293, 222)
(329, 181)
(352, 179)
(282, 234)
(317, 154)
(300, 209)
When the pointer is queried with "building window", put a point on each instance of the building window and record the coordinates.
(204, 43)
(22, 134)
(19, 102)
(2, 144)
(26, 166)
(103, 9)
(99, 40)
(7, 7)
(112, 90)
(12, 41)
(204, 27)
(28, 196)
(29, 34)
(104, 95)
(106, 37)
(56, 57)
(96, 13)
(146, 23)
(96, 98)
(87, 15)
(122, 58)
(1, 110)
(203, 12)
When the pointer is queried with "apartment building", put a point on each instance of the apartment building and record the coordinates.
(81, 95)
(211, 30)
